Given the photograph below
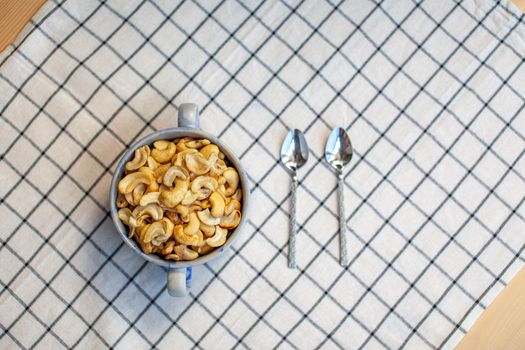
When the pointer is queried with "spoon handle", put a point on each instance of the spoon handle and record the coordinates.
(293, 225)
(343, 238)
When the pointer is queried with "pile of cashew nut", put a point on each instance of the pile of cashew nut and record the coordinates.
(179, 198)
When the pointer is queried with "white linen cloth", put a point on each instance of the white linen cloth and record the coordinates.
(430, 92)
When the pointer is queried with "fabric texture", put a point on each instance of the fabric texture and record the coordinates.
(432, 96)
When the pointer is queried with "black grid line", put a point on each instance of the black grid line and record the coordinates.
(276, 24)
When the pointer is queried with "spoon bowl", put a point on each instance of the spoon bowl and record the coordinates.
(338, 151)
(294, 151)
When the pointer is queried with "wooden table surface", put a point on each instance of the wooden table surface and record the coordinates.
(501, 326)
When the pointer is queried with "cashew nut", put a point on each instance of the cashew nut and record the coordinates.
(185, 253)
(231, 206)
(203, 248)
(140, 158)
(149, 198)
(172, 173)
(121, 201)
(207, 230)
(217, 204)
(197, 143)
(168, 248)
(189, 198)
(217, 166)
(127, 218)
(130, 181)
(237, 195)
(174, 196)
(160, 171)
(232, 179)
(219, 238)
(129, 198)
(173, 216)
(146, 247)
(197, 164)
(203, 203)
(158, 232)
(193, 225)
(181, 156)
(151, 210)
(206, 151)
(183, 211)
(231, 221)
(206, 182)
(124, 215)
(138, 191)
(206, 218)
(183, 238)
(153, 186)
(152, 163)
(163, 151)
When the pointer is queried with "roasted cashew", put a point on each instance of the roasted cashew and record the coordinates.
(146, 247)
(174, 196)
(189, 198)
(232, 179)
(160, 171)
(174, 172)
(149, 198)
(219, 238)
(232, 205)
(237, 195)
(231, 221)
(158, 232)
(196, 163)
(121, 201)
(217, 166)
(203, 248)
(183, 238)
(193, 225)
(153, 186)
(183, 211)
(208, 150)
(129, 198)
(140, 158)
(185, 253)
(173, 216)
(124, 214)
(138, 192)
(168, 248)
(217, 204)
(197, 143)
(181, 156)
(206, 218)
(207, 230)
(204, 182)
(152, 163)
(163, 151)
(151, 210)
(130, 181)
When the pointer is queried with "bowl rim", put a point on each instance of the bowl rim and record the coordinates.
(169, 134)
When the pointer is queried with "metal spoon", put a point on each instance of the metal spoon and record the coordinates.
(294, 153)
(338, 153)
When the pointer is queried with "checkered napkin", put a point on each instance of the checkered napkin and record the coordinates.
(431, 93)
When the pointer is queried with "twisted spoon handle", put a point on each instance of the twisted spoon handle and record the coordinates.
(343, 238)
(293, 225)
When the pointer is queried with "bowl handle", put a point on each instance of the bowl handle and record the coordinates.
(189, 116)
(179, 281)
